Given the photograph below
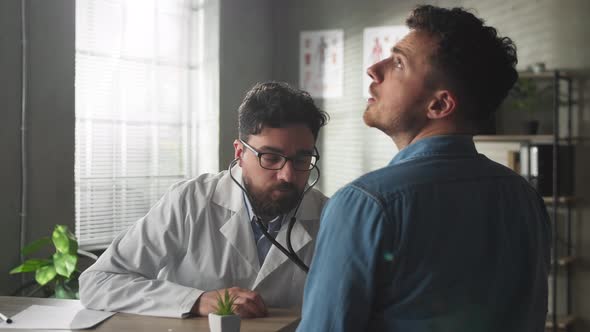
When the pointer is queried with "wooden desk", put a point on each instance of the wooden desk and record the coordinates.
(278, 319)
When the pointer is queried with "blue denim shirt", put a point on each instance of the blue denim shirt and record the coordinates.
(442, 239)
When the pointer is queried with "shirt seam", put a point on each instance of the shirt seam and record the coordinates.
(426, 155)
(377, 198)
(381, 203)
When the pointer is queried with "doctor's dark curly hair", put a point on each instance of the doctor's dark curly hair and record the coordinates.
(476, 63)
(278, 105)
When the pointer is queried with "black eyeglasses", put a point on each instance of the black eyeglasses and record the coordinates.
(276, 161)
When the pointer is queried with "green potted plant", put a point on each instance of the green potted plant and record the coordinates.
(224, 319)
(527, 96)
(56, 276)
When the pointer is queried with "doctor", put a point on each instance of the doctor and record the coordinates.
(199, 239)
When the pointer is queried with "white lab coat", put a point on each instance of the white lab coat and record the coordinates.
(198, 238)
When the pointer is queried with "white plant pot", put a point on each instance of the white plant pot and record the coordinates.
(229, 323)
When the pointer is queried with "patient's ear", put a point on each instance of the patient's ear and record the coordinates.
(443, 104)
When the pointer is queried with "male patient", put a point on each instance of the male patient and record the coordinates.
(441, 239)
(200, 238)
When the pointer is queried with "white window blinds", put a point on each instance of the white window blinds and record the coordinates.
(349, 148)
(146, 107)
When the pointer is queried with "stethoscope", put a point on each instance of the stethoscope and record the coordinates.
(290, 253)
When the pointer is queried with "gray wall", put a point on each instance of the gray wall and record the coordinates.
(246, 43)
(50, 124)
(9, 136)
(553, 32)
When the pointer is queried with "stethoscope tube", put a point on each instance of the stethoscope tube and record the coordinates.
(290, 253)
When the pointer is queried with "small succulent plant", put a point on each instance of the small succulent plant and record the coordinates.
(225, 304)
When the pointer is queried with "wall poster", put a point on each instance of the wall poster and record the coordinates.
(320, 62)
(377, 44)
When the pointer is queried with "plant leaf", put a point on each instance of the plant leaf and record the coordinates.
(60, 239)
(65, 264)
(73, 245)
(30, 265)
(45, 274)
(35, 245)
(225, 304)
(63, 291)
(59, 290)
(64, 240)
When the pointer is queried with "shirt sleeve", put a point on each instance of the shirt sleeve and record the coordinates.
(339, 290)
(125, 276)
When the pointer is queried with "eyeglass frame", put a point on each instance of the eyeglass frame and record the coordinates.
(259, 154)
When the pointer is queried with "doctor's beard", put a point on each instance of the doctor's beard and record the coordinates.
(269, 208)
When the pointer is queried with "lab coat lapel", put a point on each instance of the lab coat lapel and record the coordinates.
(228, 194)
(236, 229)
(275, 258)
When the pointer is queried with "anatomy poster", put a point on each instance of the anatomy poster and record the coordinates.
(320, 62)
(377, 44)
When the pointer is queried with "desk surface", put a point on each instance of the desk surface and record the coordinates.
(277, 320)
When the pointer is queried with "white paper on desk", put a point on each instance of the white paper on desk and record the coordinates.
(56, 318)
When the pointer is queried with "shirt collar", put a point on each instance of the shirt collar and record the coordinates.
(444, 145)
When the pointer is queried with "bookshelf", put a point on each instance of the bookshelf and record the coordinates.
(557, 192)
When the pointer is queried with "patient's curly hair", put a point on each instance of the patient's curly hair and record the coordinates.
(476, 63)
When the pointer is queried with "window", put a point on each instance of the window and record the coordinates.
(146, 107)
(348, 147)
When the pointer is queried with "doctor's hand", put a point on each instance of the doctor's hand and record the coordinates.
(248, 304)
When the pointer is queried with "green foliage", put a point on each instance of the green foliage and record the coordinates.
(529, 95)
(45, 274)
(60, 269)
(35, 246)
(225, 304)
(67, 289)
(64, 241)
(31, 265)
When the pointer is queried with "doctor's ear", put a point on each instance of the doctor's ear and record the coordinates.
(238, 150)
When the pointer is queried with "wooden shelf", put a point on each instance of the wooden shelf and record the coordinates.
(546, 74)
(560, 199)
(539, 139)
(562, 322)
(513, 138)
